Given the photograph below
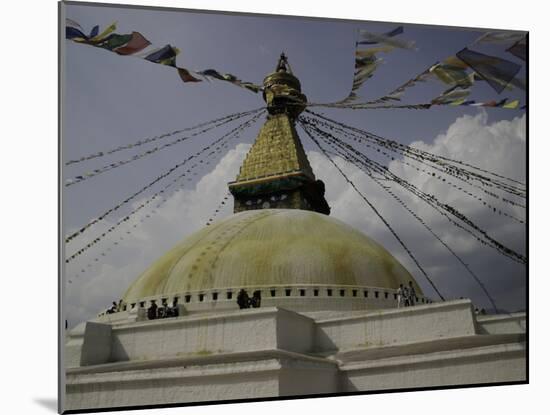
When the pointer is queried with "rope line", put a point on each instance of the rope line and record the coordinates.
(429, 198)
(407, 250)
(120, 163)
(157, 179)
(159, 137)
(148, 201)
(432, 175)
(409, 151)
(388, 190)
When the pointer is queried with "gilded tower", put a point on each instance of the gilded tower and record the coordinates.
(276, 173)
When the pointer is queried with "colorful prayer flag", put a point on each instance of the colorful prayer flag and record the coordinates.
(497, 72)
(500, 37)
(451, 74)
(186, 76)
(136, 44)
(114, 41)
(165, 56)
(397, 31)
(519, 49)
(512, 104)
(385, 39)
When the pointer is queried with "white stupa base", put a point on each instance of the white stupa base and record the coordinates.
(271, 352)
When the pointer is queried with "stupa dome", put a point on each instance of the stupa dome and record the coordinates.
(269, 249)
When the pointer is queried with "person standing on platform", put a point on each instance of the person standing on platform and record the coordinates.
(400, 296)
(412, 294)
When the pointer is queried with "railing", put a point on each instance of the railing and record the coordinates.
(273, 293)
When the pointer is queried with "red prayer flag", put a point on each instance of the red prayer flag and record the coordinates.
(136, 43)
(186, 76)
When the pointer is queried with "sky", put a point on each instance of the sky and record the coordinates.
(111, 100)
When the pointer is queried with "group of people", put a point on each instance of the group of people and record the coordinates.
(244, 301)
(115, 308)
(406, 296)
(164, 311)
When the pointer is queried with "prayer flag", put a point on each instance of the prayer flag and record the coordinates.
(213, 73)
(497, 72)
(451, 95)
(397, 31)
(94, 31)
(186, 76)
(519, 49)
(512, 104)
(500, 37)
(71, 22)
(164, 56)
(114, 41)
(73, 33)
(370, 52)
(110, 29)
(386, 39)
(457, 102)
(136, 43)
(451, 74)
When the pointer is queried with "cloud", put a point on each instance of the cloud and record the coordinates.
(498, 147)
(183, 212)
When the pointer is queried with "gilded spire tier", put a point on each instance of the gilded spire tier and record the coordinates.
(276, 172)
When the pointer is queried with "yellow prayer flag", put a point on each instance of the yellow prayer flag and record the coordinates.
(512, 104)
(457, 102)
(366, 53)
(111, 28)
(454, 61)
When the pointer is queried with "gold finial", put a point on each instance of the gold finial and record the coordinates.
(283, 65)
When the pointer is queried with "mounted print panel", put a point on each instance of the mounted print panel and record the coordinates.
(272, 207)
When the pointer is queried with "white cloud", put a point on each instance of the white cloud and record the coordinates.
(184, 212)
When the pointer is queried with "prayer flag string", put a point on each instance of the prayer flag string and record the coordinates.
(158, 137)
(164, 197)
(224, 203)
(136, 45)
(438, 160)
(156, 195)
(120, 163)
(157, 179)
(432, 200)
(304, 126)
(351, 159)
(429, 174)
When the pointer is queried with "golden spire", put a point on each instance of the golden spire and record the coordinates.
(276, 172)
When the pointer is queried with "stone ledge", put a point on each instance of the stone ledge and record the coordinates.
(486, 352)
(423, 347)
(399, 312)
(213, 360)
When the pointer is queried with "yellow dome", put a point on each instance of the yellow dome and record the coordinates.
(271, 247)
